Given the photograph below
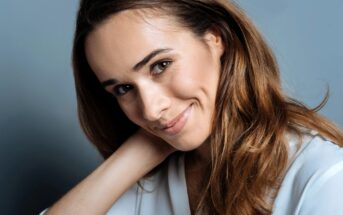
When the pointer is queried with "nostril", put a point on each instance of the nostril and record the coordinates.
(153, 101)
(151, 112)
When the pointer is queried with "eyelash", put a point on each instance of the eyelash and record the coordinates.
(160, 63)
(164, 63)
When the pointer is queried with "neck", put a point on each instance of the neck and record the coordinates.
(200, 156)
(196, 169)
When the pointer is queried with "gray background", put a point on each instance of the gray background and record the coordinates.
(43, 151)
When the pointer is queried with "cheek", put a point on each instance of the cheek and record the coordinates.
(183, 85)
(195, 79)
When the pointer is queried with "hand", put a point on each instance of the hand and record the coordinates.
(147, 139)
(135, 158)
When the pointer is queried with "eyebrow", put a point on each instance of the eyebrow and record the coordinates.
(139, 65)
(109, 82)
(146, 59)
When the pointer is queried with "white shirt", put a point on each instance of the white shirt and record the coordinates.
(313, 184)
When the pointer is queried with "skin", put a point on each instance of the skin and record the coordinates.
(154, 98)
(97, 192)
(182, 78)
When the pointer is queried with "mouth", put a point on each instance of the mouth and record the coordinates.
(177, 124)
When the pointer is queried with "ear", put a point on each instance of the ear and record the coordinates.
(214, 42)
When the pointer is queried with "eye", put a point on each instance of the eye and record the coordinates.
(122, 89)
(159, 67)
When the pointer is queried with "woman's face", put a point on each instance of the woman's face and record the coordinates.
(164, 77)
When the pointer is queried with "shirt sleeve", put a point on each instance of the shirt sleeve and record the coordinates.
(124, 205)
(326, 195)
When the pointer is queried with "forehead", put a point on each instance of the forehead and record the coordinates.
(123, 39)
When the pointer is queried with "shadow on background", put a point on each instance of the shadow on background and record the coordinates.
(43, 152)
(44, 158)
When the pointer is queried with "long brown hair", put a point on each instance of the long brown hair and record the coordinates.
(248, 150)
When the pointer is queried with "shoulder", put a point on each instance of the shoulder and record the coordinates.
(315, 170)
(315, 155)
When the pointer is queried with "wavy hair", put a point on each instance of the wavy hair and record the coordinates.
(248, 147)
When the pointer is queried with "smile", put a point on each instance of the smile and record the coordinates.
(178, 123)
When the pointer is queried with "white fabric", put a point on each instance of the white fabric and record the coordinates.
(313, 184)
(165, 193)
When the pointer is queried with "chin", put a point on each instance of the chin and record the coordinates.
(187, 145)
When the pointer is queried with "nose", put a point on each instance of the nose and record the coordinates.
(154, 102)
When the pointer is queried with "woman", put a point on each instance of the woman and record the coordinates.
(156, 76)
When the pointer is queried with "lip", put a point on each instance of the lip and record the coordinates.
(177, 124)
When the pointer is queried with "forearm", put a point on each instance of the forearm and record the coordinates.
(97, 192)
